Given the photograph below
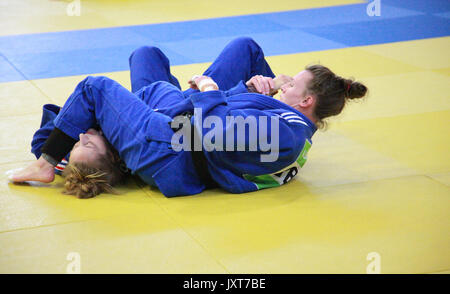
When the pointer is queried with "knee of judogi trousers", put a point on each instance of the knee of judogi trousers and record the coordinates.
(240, 60)
(149, 64)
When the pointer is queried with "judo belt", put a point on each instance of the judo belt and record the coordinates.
(198, 157)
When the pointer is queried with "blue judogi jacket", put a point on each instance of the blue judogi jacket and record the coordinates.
(235, 171)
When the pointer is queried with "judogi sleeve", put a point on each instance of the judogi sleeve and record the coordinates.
(49, 113)
(238, 89)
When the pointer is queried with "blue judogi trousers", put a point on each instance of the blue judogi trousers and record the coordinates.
(240, 60)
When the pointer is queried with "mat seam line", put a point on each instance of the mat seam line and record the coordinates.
(25, 77)
(165, 211)
(369, 181)
(46, 226)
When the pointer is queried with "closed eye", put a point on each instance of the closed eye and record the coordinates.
(91, 145)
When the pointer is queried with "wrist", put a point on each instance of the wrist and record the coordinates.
(210, 87)
(207, 85)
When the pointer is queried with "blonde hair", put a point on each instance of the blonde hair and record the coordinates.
(86, 181)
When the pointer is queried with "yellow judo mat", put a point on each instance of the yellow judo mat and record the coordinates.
(373, 196)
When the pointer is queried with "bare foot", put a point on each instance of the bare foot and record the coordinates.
(40, 171)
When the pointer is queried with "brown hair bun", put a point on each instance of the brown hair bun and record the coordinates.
(356, 90)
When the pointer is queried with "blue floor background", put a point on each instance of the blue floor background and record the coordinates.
(47, 55)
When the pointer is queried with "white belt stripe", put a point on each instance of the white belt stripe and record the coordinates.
(287, 113)
(297, 121)
(292, 116)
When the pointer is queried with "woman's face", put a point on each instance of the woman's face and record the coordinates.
(295, 90)
(91, 145)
